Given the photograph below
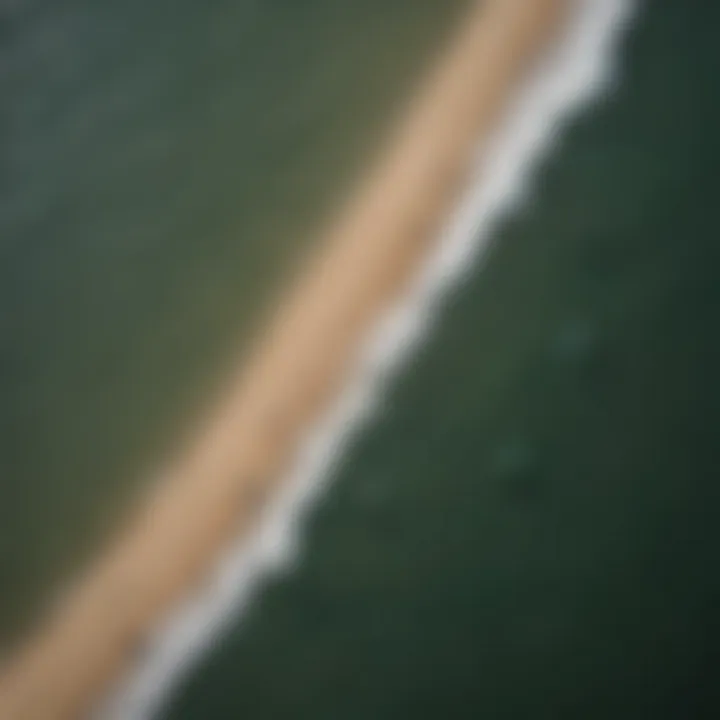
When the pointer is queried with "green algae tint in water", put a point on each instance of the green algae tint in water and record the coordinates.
(165, 166)
(531, 530)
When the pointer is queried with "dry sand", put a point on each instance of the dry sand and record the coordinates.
(214, 488)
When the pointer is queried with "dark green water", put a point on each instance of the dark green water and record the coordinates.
(164, 165)
(532, 530)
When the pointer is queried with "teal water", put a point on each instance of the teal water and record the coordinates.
(164, 166)
(531, 528)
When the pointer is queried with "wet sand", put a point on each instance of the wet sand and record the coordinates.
(215, 487)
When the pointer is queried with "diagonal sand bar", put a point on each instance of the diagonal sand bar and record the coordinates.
(213, 489)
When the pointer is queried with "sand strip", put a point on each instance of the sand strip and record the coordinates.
(214, 489)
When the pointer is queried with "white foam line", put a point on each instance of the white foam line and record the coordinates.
(578, 69)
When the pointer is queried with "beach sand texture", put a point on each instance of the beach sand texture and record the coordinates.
(215, 488)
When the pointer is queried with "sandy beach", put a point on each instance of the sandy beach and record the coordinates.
(215, 488)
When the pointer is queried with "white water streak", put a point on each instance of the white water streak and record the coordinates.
(578, 69)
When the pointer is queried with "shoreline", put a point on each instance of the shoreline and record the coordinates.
(211, 493)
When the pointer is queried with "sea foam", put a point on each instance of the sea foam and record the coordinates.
(578, 69)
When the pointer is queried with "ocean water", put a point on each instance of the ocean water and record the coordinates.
(530, 526)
